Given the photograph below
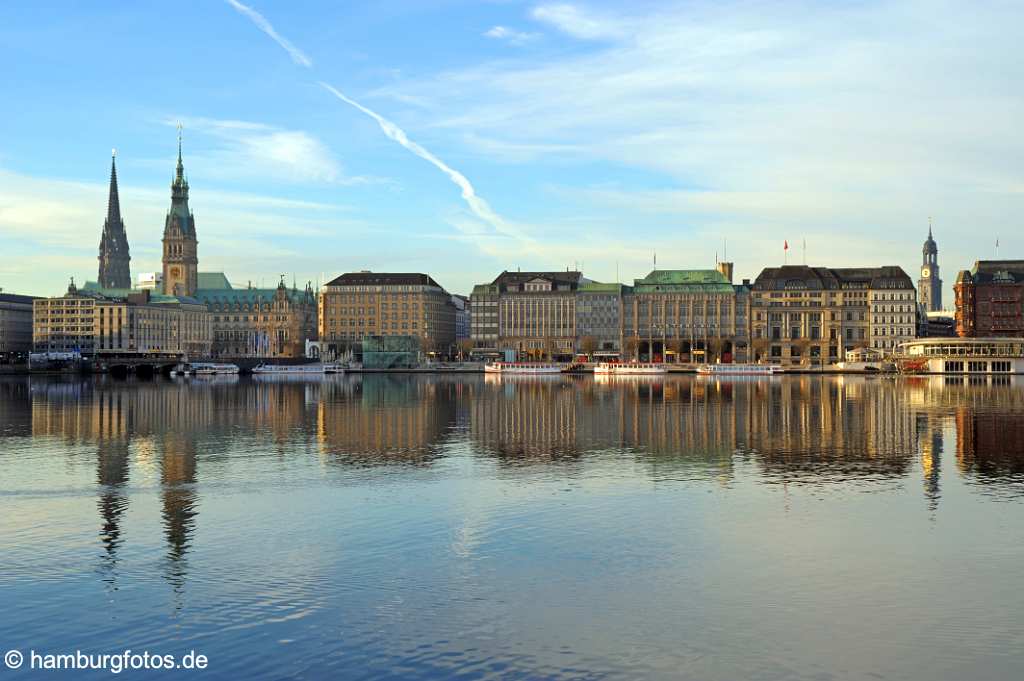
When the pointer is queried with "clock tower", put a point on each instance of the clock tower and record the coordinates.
(929, 286)
(181, 257)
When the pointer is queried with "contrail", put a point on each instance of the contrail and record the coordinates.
(476, 203)
(298, 56)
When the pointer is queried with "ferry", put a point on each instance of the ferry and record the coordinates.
(525, 368)
(210, 368)
(975, 356)
(866, 360)
(630, 369)
(740, 369)
(297, 369)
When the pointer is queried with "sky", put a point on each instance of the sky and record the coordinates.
(463, 138)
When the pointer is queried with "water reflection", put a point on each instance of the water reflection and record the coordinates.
(369, 500)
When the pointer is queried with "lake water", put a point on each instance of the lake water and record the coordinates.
(432, 527)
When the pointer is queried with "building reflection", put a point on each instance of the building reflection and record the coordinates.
(384, 419)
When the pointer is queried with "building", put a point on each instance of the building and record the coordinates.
(929, 286)
(940, 324)
(599, 319)
(114, 270)
(687, 316)
(15, 326)
(258, 322)
(134, 324)
(813, 315)
(463, 317)
(357, 305)
(180, 245)
(154, 281)
(535, 314)
(990, 299)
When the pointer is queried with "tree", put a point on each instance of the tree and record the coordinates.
(760, 348)
(676, 346)
(549, 347)
(588, 345)
(465, 347)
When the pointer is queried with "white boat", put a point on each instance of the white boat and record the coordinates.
(974, 356)
(739, 369)
(630, 369)
(211, 368)
(293, 369)
(866, 360)
(525, 368)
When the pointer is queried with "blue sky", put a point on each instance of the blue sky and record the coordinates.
(589, 134)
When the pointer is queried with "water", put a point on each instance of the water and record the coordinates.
(433, 527)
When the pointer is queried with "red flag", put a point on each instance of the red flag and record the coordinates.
(785, 245)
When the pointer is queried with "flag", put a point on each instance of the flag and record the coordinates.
(785, 245)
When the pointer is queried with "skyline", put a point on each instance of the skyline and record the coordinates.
(564, 172)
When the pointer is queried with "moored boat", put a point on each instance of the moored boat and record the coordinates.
(293, 369)
(211, 368)
(525, 368)
(740, 369)
(630, 369)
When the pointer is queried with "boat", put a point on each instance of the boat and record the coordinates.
(961, 356)
(523, 368)
(867, 360)
(740, 369)
(211, 368)
(630, 369)
(293, 369)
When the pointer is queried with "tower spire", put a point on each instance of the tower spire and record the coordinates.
(114, 257)
(179, 173)
(113, 202)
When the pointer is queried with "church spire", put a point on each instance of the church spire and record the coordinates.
(114, 258)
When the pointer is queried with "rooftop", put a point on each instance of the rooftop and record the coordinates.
(711, 281)
(384, 279)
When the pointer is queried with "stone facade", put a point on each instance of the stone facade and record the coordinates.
(358, 305)
(258, 322)
(686, 316)
(133, 325)
(990, 299)
(599, 319)
(813, 315)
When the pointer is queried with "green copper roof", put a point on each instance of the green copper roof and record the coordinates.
(598, 287)
(212, 280)
(246, 296)
(684, 280)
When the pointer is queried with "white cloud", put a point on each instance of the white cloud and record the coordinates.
(511, 36)
(297, 55)
(578, 22)
(248, 150)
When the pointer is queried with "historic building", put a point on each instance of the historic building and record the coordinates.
(99, 324)
(813, 315)
(180, 246)
(15, 325)
(114, 270)
(687, 316)
(929, 286)
(258, 322)
(358, 305)
(534, 314)
(990, 299)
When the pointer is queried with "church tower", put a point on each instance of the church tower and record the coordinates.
(929, 286)
(114, 257)
(181, 258)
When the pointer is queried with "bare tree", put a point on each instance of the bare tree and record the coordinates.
(631, 344)
(588, 345)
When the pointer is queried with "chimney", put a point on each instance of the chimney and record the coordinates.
(726, 269)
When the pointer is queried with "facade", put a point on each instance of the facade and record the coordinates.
(114, 270)
(133, 325)
(990, 299)
(536, 313)
(686, 316)
(463, 317)
(15, 325)
(599, 319)
(154, 281)
(483, 306)
(357, 305)
(814, 315)
(180, 246)
(258, 322)
(929, 286)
